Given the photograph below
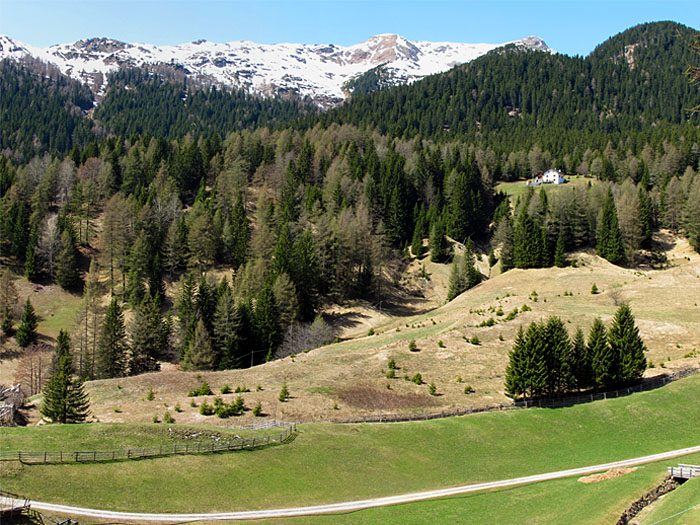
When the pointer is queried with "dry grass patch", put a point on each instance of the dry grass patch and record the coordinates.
(368, 398)
(610, 474)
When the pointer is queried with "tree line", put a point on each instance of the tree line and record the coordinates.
(546, 362)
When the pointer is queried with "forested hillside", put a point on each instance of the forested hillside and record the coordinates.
(224, 243)
(632, 85)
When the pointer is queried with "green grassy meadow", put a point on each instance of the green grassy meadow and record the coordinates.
(331, 463)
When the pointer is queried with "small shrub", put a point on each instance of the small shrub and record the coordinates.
(468, 389)
(258, 388)
(500, 337)
(512, 315)
(662, 365)
(168, 418)
(206, 409)
(391, 373)
(335, 406)
(239, 405)
(417, 379)
(388, 386)
(392, 364)
(193, 404)
(151, 394)
(370, 332)
(526, 308)
(412, 346)
(459, 379)
(257, 409)
(432, 389)
(177, 407)
(284, 393)
(475, 340)
(489, 322)
(441, 344)
(499, 312)
(594, 289)
(242, 389)
(226, 389)
(117, 410)
(155, 419)
(202, 390)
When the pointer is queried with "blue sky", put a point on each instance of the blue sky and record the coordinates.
(569, 26)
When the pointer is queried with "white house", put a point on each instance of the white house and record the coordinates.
(551, 176)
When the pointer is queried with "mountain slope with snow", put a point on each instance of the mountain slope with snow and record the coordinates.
(318, 71)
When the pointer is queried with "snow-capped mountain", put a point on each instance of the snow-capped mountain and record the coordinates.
(319, 71)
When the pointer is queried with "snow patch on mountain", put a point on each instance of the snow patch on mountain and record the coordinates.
(318, 71)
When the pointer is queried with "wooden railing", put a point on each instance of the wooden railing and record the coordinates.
(90, 456)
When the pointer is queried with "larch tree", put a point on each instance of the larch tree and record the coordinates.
(200, 353)
(66, 267)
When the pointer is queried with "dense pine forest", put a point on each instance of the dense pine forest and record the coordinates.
(163, 186)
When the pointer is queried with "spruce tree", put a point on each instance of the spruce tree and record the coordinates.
(111, 346)
(516, 371)
(605, 363)
(8, 300)
(66, 266)
(225, 336)
(148, 337)
(557, 347)
(65, 399)
(417, 240)
(625, 342)
(26, 332)
(200, 353)
(437, 241)
(580, 361)
(609, 244)
(536, 375)
(266, 320)
(560, 252)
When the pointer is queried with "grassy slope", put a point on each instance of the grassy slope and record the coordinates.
(328, 463)
(681, 499)
(559, 501)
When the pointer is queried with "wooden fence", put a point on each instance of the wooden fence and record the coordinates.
(649, 384)
(41, 457)
(684, 471)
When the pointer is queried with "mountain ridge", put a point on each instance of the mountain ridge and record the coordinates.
(319, 71)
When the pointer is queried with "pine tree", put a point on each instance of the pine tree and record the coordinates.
(148, 337)
(65, 399)
(200, 353)
(557, 347)
(625, 342)
(610, 244)
(66, 268)
(8, 300)
(605, 363)
(111, 347)
(26, 332)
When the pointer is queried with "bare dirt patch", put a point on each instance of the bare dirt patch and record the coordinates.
(610, 474)
(368, 398)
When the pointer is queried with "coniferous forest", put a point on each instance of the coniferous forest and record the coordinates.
(164, 182)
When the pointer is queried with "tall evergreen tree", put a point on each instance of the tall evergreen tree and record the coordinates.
(8, 300)
(625, 342)
(111, 346)
(148, 337)
(560, 252)
(266, 320)
(65, 399)
(66, 267)
(605, 362)
(26, 332)
(557, 347)
(225, 336)
(200, 353)
(609, 244)
(437, 241)
(517, 369)
(580, 361)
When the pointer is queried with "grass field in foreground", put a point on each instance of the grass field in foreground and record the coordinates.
(551, 502)
(678, 504)
(330, 463)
